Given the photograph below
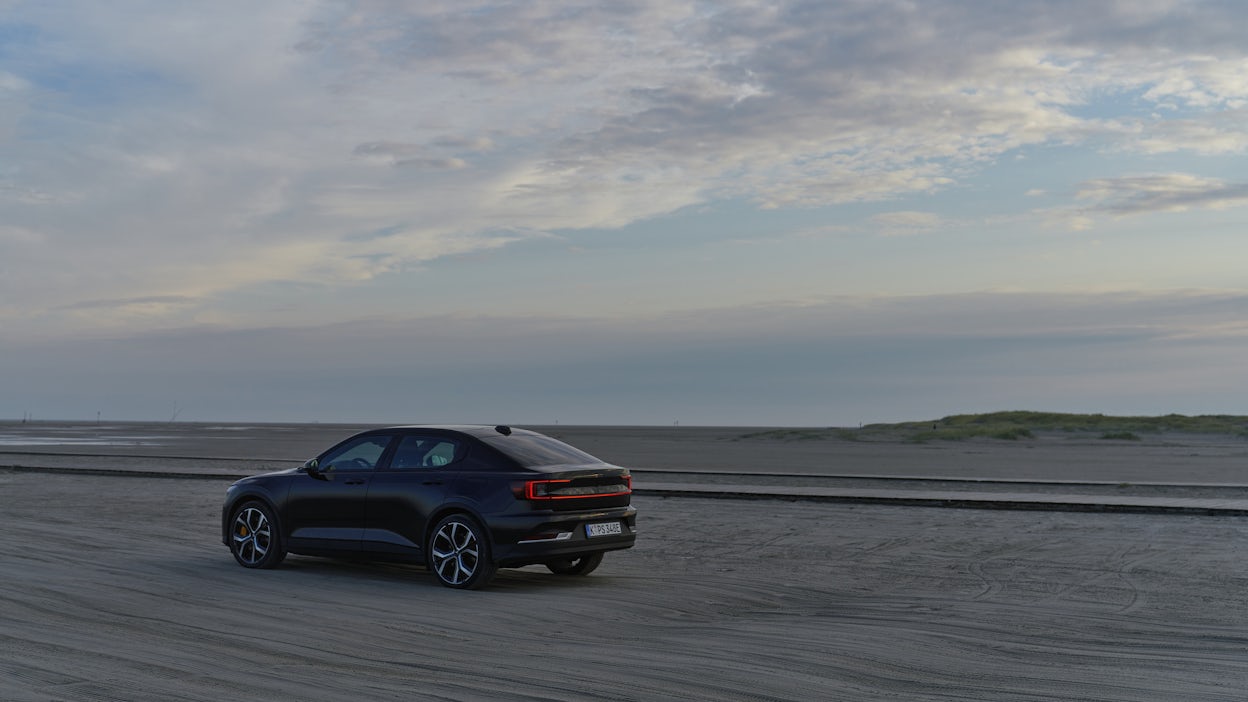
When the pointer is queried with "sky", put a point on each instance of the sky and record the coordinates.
(629, 212)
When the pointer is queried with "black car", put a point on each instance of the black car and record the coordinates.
(463, 500)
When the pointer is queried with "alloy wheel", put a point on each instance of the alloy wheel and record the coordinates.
(253, 536)
(456, 552)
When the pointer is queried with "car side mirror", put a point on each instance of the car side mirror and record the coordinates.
(313, 468)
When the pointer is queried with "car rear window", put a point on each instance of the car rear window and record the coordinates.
(536, 450)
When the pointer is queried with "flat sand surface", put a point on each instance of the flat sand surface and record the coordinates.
(118, 588)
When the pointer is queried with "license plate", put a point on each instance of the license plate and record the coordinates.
(603, 529)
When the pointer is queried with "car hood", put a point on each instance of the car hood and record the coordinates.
(287, 471)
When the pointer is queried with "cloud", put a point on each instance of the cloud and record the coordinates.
(398, 154)
(133, 302)
(18, 235)
(195, 151)
(906, 223)
(11, 83)
(1171, 192)
(112, 313)
(1223, 132)
(1133, 195)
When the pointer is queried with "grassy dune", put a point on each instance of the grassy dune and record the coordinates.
(1015, 425)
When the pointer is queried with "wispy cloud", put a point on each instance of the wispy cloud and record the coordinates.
(1171, 192)
(907, 223)
(1223, 132)
(19, 235)
(132, 302)
(398, 154)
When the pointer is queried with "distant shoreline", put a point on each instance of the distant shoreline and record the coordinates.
(1008, 425)
(1093, 451)
(1001, 415)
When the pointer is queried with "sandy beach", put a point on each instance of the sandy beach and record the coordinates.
(118, 588)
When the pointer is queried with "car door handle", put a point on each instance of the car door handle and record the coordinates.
(432, 482)
(355, 481)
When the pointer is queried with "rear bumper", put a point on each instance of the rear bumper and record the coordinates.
(538, 537)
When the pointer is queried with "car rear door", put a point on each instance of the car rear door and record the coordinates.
(407, 490)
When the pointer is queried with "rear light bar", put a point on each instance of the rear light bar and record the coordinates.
(564, 490)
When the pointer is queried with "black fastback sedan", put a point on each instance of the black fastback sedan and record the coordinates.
(463, 500)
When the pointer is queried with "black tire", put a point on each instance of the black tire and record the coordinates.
(575, 566)
(459, 553)
(255, 536)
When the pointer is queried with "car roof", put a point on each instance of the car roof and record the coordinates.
(470, 429)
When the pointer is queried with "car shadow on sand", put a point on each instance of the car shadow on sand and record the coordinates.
(361, 571)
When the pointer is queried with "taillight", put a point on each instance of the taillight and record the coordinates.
(565, 490)
(541, 489)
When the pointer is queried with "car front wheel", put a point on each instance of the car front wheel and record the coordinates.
(575, 566)
(255, 539)
(459, 553)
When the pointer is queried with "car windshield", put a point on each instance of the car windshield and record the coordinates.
(538, 450)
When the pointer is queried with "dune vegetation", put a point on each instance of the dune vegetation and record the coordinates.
(1020, 424)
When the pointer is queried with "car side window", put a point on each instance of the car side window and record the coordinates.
(417, 452)
(362, 453)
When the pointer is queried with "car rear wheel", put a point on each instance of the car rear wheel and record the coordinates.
(575, 566)
(256, 540)
(459, 553)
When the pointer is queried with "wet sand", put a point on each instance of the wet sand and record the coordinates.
(118, 588)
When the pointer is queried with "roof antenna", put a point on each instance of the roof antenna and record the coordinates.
(503, 429)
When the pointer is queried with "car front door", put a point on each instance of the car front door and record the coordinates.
(327, 506)
(409, 488)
